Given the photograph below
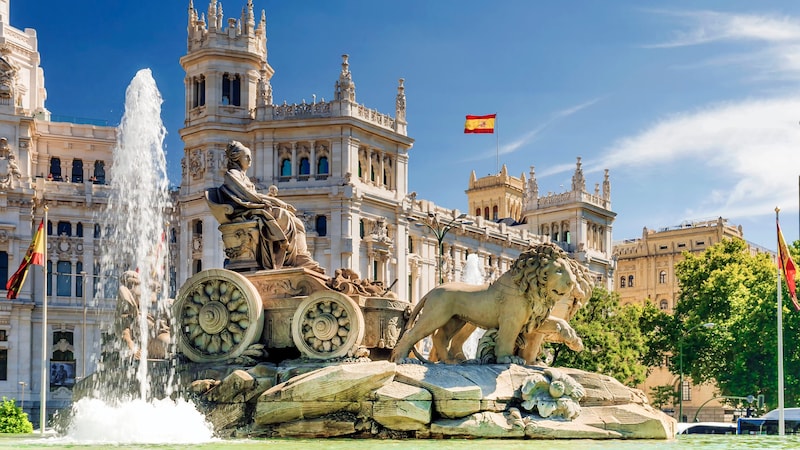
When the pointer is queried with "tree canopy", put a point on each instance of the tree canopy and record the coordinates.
(735, 290)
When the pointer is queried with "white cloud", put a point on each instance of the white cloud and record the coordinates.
(712, 26)
(525, 139)
(751, 147)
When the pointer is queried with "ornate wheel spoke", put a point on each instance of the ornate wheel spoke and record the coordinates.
(323, 327)
(216, 308)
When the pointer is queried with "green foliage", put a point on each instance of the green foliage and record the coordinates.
(664, 395)
(735, 290)
(13, 419)
(613, 342)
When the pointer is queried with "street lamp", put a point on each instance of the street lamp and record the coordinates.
(22, 385)
(439, 230)
(680, 366)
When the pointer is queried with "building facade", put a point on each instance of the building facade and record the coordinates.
(341, 164)
(646, 272)
(60, 165)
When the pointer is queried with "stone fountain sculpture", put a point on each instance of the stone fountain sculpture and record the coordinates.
(271, 346)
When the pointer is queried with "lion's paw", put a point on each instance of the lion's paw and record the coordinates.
(511, 359)
(576, 344)
(409, 361)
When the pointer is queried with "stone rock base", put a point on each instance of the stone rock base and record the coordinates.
(383, 399)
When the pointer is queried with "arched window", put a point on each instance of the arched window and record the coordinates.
(477, 212)
(77, 171)
(49, 228)
(231, 89)
(664, 305)
(79, 229)
(55, 169)
(64, 279)
(97, 231)
(662, 277)
(64, 228)
(622, 282)
(198, 91)
(286, 168)
(567, 237)
(486, 213)
(100, 172)
(198, 227)
(305, 167)
(321, 225)
(495, 214)
(630, 280)
(322, 166)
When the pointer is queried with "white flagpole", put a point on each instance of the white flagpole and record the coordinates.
(43, 386)
(781, 424)
(497, 140)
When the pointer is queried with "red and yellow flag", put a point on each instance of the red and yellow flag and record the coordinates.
(35, 255)
(787, 266)
(480, 124)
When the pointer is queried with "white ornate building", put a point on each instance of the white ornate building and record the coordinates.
(343, 165)
(46, 161)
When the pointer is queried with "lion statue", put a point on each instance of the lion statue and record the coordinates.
(519, 302)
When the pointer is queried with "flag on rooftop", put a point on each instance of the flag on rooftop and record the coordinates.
(35, 255)
(480, 124)
(787, 266)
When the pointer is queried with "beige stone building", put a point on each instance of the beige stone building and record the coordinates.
(577, 220)
(646, 272)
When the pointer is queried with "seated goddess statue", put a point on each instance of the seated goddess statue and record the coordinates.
(282, 241)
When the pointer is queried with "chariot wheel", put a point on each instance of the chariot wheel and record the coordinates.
(327, 325)
(219, 314)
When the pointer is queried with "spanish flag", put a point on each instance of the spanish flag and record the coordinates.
(35, 255)
(480, 124)
(786, 264)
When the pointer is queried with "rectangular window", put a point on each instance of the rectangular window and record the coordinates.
(3, 365)
(64, 279)
(3, 335)
(686, 392)
(662, 247)
(700, 243)
(681, 245)
(3, 269)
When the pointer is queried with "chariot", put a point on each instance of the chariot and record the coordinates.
(221, 313)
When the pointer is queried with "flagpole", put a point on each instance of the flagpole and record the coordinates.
(497, 140)
(43, 397)
(781, 424)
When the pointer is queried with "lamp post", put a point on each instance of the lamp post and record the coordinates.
(440, 230)
(680, 365)
(22, 385)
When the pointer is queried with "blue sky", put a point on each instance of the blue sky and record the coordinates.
(693, 106)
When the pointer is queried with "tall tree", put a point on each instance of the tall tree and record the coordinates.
(736, 290)
(613, 342)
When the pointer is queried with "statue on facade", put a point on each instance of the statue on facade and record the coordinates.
(129, 304)
(9, 169)
(281, 238)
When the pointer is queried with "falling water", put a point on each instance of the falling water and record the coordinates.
(472, 275)
(133, 239)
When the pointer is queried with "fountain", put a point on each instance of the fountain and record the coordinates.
(271, 346)
(118, 404)
(472, 275)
